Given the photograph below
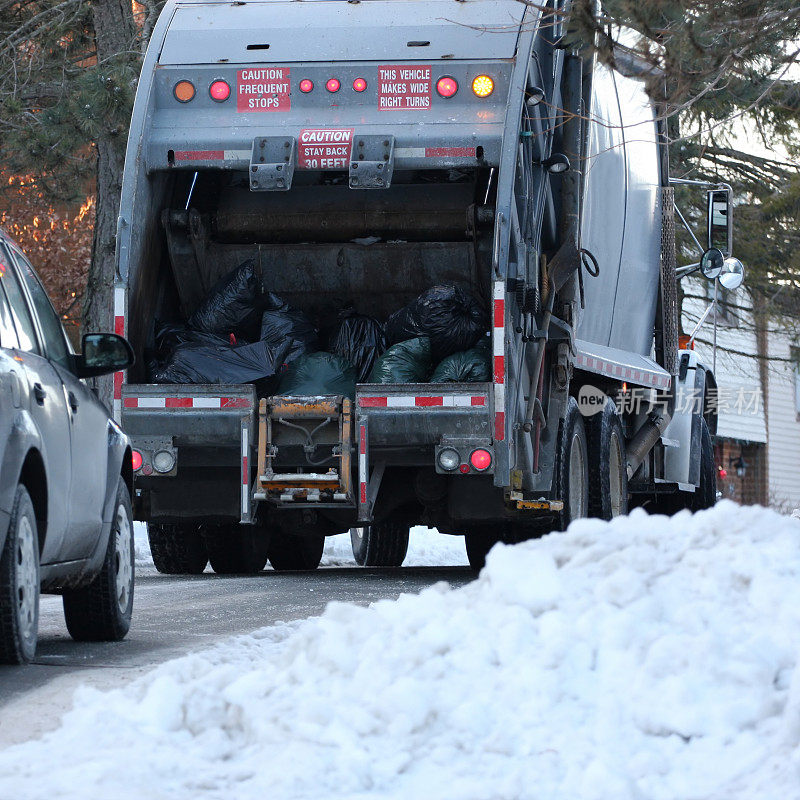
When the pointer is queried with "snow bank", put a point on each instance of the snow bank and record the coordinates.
(644, 658)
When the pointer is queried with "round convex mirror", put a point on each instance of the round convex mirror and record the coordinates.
(732, 274)
(711, 263)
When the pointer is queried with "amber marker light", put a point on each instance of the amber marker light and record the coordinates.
(482, 86)
(184, 91)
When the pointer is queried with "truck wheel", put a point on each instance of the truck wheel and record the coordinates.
(705, 495)
(293, 553)
(238, 550)
(479, 543)
(608, 477)
(101, 611)
(572, 468)
(177, 549)
(19, 583)
(382, 544)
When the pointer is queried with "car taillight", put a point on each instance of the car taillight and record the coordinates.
(333, 85)
(359, 85)
(136, 459)
(446, 87)
(219, 91)
(183, 91)
(481, 459)
(482, 86)
(306, 85)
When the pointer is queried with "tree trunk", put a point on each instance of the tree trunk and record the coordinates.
(115, 36)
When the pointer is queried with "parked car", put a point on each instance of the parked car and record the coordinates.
(65, 472)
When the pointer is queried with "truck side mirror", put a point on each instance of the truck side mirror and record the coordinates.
(732, 274)
(720, 222)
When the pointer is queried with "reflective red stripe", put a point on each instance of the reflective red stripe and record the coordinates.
(451, 152)
(499, 313)
(119, 326)
(429, 401)
(499, 369)
(199, 155)
(362, 446)
(478, 401)
(234, 402)
(363, 493)
(499, 425)
(178, 402)
(119, 377)
(131, 402)
(245, 472)
(373, 402)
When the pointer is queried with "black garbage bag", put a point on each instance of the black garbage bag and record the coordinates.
(449, 316)
(170, 335)
(280, 323)
(233, 305)
(318, 374)
(469, 366)
(198, 363)
(405, 362)
(360, 340)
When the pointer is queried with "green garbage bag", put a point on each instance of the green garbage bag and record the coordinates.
(469, 366)
(405, 362)
(318, 374)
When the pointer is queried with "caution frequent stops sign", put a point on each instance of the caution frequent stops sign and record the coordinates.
(404, 87)
(263, 89)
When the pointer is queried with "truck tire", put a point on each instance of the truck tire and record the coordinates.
(19, 583)
(101, 611)
(572, 468)
(705, 495)
(608, 476)
(237, 550)
(382, 544)
(177, 549)
(289, 553)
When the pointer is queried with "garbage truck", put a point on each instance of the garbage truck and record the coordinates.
(359, 154)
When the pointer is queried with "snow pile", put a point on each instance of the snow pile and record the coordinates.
(644, 658)
(141, 545)
(426, 548)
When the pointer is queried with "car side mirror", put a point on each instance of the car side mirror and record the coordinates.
(103, 353)
(720, 222)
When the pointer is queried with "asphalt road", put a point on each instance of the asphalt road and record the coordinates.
(174, 615)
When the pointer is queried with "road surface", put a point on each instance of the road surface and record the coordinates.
(177, 614)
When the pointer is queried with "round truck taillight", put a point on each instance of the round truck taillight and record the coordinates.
(220, 91)
(136, 460)
(359, 85)
(183, 91)
(333, 85)
(306, 85)
(481, 459)
(447, 86)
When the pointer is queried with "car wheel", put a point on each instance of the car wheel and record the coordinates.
(101, 611)
(177, 549)
(382, 544)
(19, 583)
(293, 553)
(235, 549)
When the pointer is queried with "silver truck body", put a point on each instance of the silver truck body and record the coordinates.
(455, 190)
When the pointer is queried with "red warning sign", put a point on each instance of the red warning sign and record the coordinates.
(263, 89)
(324, 148)
(404, 87)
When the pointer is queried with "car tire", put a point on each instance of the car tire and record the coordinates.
(382, 544)
(177, 549)
(237, 550)
(19, 583)
(572, 468)
(101, 611)
(288, 553)
(608, 476)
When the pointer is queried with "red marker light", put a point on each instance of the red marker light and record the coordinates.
(481, 459)
(359, 85)
(333, 85)
(306, 85)
(136, 459)
(446, 87)
(464, 469)
(219, 91)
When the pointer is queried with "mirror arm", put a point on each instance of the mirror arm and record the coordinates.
(689, 269)
(700, 248)
(700, 322)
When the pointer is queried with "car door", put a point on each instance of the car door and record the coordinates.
(10, 390)
(88, 425)
(42, 395)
